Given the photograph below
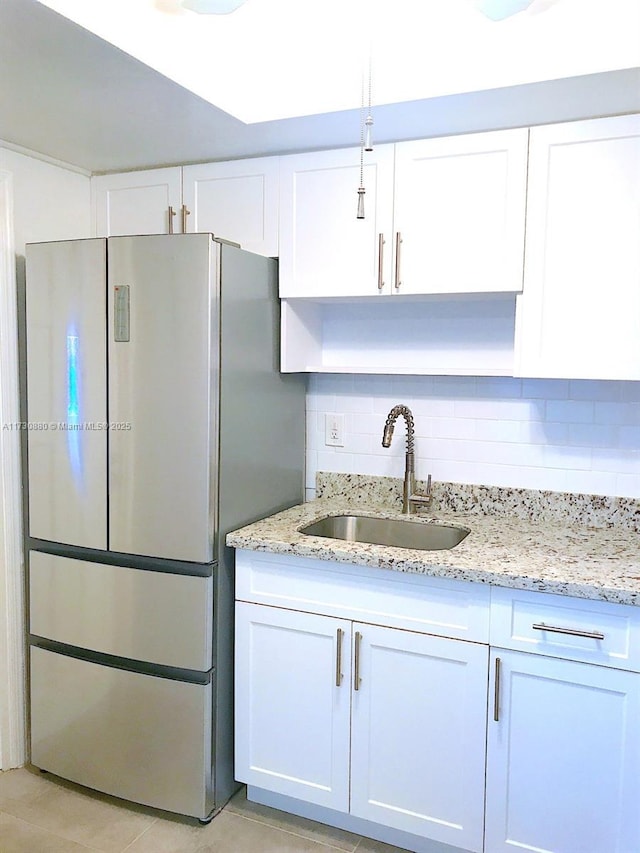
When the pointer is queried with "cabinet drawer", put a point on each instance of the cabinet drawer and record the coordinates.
(573, 628)
(415, 602)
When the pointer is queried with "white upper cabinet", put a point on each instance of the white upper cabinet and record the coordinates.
(449, 220)
(459, 213)
(146, 202)
(579, 315)
(324, 249)
(235, 200)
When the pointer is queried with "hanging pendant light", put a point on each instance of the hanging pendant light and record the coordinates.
(365, 140)
(368, 124)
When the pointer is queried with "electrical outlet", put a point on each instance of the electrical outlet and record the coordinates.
(334, 430)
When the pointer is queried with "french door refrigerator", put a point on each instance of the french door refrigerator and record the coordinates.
(157, 421)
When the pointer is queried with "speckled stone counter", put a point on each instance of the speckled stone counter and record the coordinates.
(578, 545)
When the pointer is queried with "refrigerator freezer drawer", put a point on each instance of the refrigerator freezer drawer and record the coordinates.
(149, 616)
(139, 737)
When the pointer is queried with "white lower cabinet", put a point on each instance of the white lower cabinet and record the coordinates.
(418, 720)
(438, 715)
(292, 719)
(563, 757)
(385, 724)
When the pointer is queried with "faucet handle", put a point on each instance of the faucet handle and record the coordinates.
(422, 500)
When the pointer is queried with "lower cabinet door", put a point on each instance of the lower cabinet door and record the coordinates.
(292, 703)
(418, 734)
(140, 737)
(563, 764)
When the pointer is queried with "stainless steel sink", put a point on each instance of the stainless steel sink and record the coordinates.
(398, 533)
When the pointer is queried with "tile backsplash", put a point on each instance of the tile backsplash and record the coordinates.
(561, 435)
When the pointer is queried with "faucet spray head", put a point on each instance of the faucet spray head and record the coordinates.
(387, 435)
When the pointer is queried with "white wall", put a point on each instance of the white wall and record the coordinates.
(50, 202)
(41, 201)
(573, 436)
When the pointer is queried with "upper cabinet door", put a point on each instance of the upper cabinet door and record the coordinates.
(236, 200)
(459, 213)
(579, 315)
(67, 391)
(324, 249)
(146, 202)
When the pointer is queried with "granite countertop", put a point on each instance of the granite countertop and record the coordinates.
(564, 544)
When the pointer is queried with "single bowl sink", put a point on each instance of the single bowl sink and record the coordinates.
(398, 533)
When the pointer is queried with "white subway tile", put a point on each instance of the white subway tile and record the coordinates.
(502, 430)
(617, 413)
(593, 389)
(339, 463)
(570, 411)
(629, 437)
(592, 482)
(539, 432)
(452, 428)
(628, 485)
(366, 424)
(455, 387)
(616, 461)
(499, 387)
(545, 389)
(432, 407)
(579, 436)
(566, 457)
(593, 435)
(513, 410)
(629, 391)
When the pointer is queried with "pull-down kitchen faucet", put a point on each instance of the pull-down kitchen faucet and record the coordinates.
(410, 498)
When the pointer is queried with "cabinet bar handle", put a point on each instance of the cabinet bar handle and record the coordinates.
(573, 632)
(339, 634)
(172, 213)
(356, 662)
(380, 254)
(398, 244)
(185, 213)
(496, 692)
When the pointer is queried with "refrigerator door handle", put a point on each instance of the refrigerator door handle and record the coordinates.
(121, 313)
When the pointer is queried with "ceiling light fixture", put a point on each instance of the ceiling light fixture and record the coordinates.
(212, 7)
(498, 10)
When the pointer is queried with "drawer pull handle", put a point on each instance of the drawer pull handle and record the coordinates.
(496, 692)
(185, 213)
(380, 264)
(339, 634)
(356, 664)
(398, 282)
(573, 632)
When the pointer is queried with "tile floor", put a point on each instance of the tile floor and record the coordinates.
(40, 813)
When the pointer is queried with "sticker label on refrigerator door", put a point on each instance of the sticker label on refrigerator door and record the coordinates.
(121, 312)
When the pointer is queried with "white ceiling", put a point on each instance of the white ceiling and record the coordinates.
(69, 94)
(276, 59)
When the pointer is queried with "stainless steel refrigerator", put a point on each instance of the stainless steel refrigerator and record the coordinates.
(157, 421)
